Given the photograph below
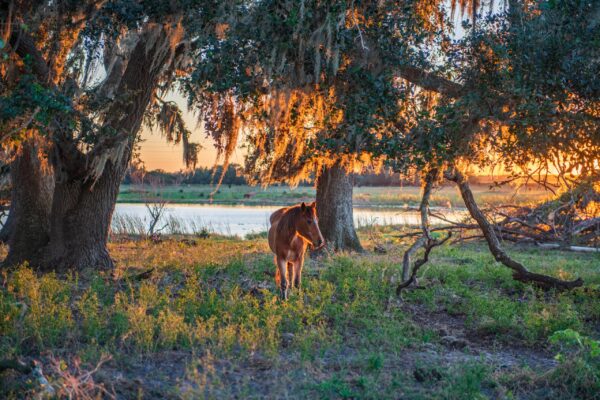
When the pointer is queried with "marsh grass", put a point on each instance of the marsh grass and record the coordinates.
(135, 226)
(210, 311)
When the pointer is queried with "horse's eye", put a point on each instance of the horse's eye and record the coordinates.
(309, 221)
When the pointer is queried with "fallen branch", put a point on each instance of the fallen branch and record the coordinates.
(520, 272)
(143, 275)
(570, 248)
(16, 365)
(34, 368)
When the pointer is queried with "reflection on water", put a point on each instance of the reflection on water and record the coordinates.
(239, 220)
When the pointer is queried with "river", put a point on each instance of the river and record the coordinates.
(239, 220)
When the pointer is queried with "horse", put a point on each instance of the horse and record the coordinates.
(292, 230)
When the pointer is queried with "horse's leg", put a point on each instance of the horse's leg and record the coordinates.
(283, 286)
(298, 271)
(277, 274)
(291, 273)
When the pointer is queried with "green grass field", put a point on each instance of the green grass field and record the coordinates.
(363, 196)
(200, 318)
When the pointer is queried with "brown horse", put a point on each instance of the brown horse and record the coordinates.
(292, 230)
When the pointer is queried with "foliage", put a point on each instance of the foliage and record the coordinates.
(292, 75)
(523, 105)
(68, 100)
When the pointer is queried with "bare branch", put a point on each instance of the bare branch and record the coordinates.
(431, 81)
(520, 272)
(425, 240)
(24, 45)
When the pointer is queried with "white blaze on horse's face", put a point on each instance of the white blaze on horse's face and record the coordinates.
(309, 227)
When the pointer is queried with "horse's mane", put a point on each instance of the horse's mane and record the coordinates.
(286, 227)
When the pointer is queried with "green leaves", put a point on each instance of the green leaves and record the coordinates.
(569, 339)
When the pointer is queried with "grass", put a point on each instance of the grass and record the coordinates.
(363, 196)
(201, 319)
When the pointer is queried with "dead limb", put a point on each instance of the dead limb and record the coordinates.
(429, 245)
(430, 178)
(520, 272)
(426, 240)
(570, 248)
(34, 368)
(16, 365)
(408, 254)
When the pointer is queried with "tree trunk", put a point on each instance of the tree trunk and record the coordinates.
(80, 223)
(6, 229)
(5, 189)
(334, 208)
(28, 224)
(83, 204)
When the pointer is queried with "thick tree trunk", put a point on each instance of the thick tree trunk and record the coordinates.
(334, 208)
(28, 224)
(80, 223)
(83, 204)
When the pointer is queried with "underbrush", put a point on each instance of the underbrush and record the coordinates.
(209, 309)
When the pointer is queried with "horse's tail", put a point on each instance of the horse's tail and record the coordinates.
(277, 274)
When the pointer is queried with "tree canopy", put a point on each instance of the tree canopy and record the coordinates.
(305, 84)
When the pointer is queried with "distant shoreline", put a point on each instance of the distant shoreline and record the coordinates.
(446, 197)
(403, 207)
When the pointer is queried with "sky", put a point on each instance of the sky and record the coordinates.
(156, 153)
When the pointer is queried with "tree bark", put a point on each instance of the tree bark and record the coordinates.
(80, 223)
(28, 224)
(334, 209)
(426, 240)
(83, 204)
(429, 182)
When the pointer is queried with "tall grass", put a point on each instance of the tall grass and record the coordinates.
(136, 226)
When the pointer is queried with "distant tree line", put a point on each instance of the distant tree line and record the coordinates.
(234, 176)
(201, 176)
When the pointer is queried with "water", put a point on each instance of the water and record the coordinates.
(240, 220)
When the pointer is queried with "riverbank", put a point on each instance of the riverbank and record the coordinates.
(446, 196)
(200, 318)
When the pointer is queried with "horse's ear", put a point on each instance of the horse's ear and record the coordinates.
(313, 204)
(303, 207)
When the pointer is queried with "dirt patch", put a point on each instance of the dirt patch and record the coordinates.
(151, 377)
(459, 344)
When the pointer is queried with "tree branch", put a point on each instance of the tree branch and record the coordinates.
(431, 81)
(425, 240)
(24, 45)
(520, 272)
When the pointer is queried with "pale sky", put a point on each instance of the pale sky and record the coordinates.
(156, 153)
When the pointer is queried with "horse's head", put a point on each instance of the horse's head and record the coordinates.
(308, 225)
